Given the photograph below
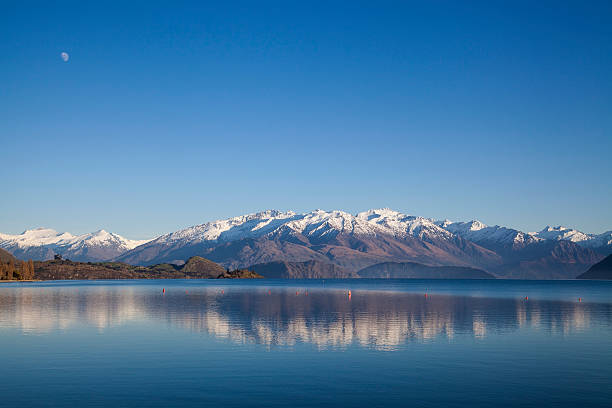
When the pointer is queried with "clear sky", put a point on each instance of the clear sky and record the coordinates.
(170, 114)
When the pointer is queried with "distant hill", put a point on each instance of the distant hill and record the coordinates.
(413, 270)
(301, 270)
(601, 270)
(6, 256)
(195, 268)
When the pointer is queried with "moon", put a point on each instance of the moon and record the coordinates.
(65, 56)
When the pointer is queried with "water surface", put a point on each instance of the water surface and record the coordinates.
(306, 343)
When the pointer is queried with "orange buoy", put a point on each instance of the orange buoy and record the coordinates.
(526, 297)
(349, 295)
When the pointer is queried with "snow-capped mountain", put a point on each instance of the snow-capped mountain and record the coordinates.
(44, 243)
(315, 224)
(549, 254)
(351, 241)
(490, 236)
(480, 233)
(401, 225)
(602, 242)
(562, 233)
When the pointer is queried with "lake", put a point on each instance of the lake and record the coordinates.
(358, 343)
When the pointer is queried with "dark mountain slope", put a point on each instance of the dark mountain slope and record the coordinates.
(301, 270)
(6, 256)
(547, 260)
(601, 270)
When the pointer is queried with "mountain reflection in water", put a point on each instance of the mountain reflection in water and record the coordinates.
(278, 316)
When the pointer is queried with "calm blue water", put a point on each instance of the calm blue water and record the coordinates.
(259, 343)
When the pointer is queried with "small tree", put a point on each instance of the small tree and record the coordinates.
(10, 270)
(23, 270)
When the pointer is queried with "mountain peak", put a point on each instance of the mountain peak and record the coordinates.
(476, 225)
(444, 223)
(548, 228)
(561, 233)
(39, 231)
(377, 212)
(271, 214)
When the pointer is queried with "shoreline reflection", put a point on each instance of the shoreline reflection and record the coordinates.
(326, 318)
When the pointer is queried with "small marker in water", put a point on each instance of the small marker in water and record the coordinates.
(349, 295)
(163, 290)
(580, 299)
(526, 297)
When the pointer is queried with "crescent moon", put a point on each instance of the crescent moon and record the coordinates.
(65, 56)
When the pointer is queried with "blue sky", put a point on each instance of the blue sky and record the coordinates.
(172, 114)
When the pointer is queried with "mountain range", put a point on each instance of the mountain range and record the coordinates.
(320, 242)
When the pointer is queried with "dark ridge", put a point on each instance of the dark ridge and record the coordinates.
(301, 270)
(6, 256)
(601, 270)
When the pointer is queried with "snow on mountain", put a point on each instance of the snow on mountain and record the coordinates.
(603, 240)
(315, 224)
(36, 237)
(107, 239)
(487, 236)
(481, 233)
(43, 243)
(560, 233)
(244, 226)
(320, 224)
(401, 225)
(528, 255)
